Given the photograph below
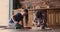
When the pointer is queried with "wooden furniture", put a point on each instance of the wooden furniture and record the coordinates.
(53, 16)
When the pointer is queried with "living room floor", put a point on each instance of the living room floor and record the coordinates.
(54, 29)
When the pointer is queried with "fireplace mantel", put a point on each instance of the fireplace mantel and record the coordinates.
(45, 8)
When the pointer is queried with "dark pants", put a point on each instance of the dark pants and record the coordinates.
(19, 26)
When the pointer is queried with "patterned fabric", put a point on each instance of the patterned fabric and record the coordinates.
(41, 18)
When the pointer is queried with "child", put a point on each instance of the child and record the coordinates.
(19, 18)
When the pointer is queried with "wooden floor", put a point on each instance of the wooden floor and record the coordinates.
(28, 30)
(54, 29)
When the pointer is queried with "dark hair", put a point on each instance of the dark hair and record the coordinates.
(26, 10)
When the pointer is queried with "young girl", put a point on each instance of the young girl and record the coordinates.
(19, 18)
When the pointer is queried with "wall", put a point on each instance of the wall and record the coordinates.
(4, 12)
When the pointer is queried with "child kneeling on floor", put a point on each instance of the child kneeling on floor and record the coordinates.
(19, 18)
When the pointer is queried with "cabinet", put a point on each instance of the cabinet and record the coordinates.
(53, 16)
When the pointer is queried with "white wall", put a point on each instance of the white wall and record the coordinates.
(4, 12)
